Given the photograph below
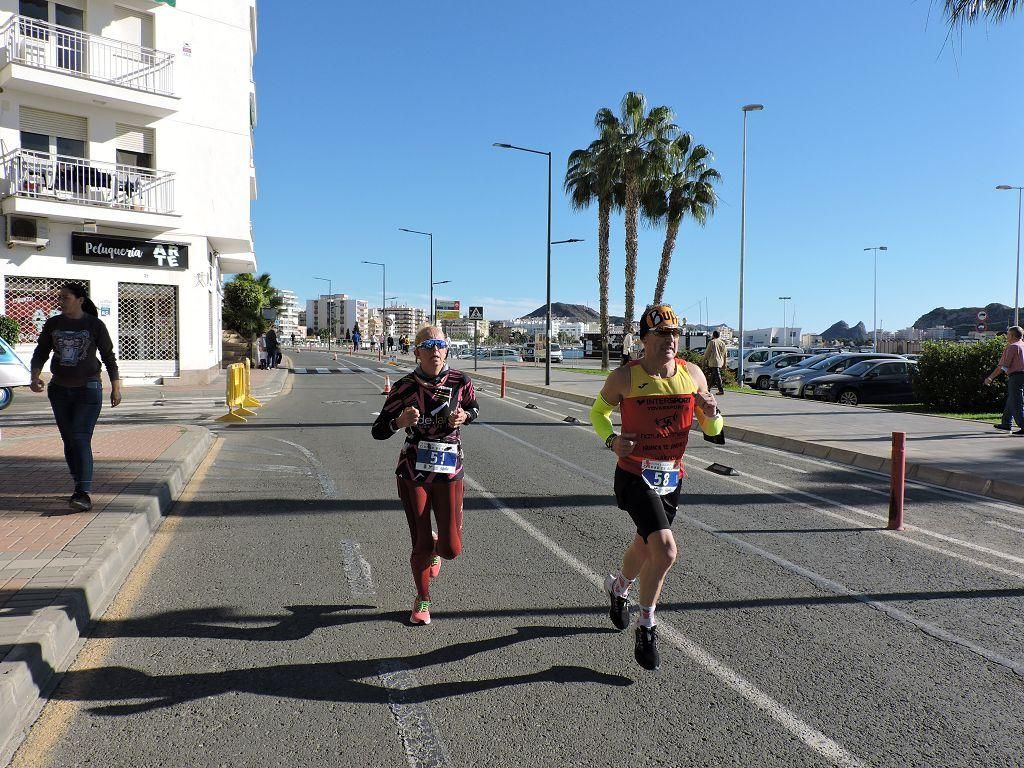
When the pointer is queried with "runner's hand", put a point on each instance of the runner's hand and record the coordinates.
(623, 445)
(37, 385)
(407, 417)
(707, 402)
(457, 417)
(115, 394)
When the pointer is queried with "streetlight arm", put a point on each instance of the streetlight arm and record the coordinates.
(521, 149)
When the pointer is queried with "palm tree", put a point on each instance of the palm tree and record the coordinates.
(684, 186)
(638, 139)
(962, 12)
(591, 176)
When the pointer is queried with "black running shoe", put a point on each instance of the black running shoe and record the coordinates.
(619, 611)
(1005, 427)
(646, 652)
(81, 502)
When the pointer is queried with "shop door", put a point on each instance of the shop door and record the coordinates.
(147, 330)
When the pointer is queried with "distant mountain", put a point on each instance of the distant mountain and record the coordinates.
(580, 313)
(842, 331)
(965, 319)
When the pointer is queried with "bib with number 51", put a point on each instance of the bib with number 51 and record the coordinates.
(662, 477)
(442, 458)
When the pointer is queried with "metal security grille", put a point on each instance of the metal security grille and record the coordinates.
(147, 327)
(30, 301)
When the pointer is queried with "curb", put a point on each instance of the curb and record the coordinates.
(50, 643)
(923, 473)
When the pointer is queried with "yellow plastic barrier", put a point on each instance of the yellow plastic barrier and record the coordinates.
(249, 401)
(237, 394)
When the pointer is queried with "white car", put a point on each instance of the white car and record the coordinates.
(13, 373)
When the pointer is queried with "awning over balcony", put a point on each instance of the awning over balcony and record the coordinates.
(235, 254)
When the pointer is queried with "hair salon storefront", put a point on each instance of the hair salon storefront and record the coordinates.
(140, 288)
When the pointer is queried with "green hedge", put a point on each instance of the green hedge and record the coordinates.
(692, 356)
(9, 330)
(950, 376)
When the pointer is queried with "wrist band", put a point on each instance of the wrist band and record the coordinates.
(610, 441)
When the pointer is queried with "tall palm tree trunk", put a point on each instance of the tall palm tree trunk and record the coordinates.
(671, 231)
(632, 215)
(604, 212)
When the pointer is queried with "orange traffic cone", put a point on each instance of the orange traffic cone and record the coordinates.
(387, 386)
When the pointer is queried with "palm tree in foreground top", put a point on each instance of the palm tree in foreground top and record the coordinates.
(683, 187)
(962, 12)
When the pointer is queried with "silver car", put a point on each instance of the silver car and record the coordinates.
(792, 384)
(759, 376)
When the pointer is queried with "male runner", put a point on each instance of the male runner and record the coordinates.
(658, 397)
(430, 405)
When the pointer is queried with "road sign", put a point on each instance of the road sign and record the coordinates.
(982, 327)
(476, 313)
(982, 316)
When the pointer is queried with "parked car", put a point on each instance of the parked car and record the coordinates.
(755, 356)
(759, 376)
(533, 354)
(13, 373)
(773, 382)
(501, 355)
(869, 381)
(793, 384)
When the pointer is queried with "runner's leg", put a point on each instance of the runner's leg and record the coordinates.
(661, 554)
(416, 501)
(447, 503)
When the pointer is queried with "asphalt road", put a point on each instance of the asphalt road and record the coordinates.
(267, 624)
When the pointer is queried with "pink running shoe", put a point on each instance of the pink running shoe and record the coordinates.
(420, 612)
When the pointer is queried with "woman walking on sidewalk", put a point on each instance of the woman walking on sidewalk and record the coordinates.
(430, 405)
(76, 391)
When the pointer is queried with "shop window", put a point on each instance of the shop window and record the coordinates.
(31, 301)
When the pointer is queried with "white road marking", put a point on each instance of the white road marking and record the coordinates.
(814, 739)
(357, 570)
(326, 484)
(322, 370)
(286, 469)
(422, 742)
(1004, 525)
(725, 450)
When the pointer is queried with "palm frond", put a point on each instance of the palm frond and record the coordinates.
(962, 12)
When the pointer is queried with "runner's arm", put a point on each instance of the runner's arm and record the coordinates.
(384, 426)
(710, 425)
(469, 404)
(604, 405)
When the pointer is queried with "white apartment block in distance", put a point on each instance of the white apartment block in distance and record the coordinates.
(287, 322)
(126, 164)
(405, 320)
(338, 311)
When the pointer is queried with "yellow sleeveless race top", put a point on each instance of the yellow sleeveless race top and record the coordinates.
(659, 412)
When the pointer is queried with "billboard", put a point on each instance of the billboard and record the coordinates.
(447, 310)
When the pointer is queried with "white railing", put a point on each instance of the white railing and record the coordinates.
(39, 175)
(62, 49)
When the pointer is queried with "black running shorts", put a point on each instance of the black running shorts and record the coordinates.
(649, 511)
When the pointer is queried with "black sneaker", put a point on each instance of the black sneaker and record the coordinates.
(646, 652)
(1004, 427)
(619, 611)
(1019, 432)
(81, 502)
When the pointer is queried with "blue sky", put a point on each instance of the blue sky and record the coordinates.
(878, 129)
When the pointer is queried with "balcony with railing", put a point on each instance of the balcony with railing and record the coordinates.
(58, 186)
(39, 56)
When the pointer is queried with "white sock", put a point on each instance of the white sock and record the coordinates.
(646, 616)
(622, 585)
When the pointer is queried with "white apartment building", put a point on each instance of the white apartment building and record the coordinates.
(126, 164)
(287, 322)
(465, 327)
(774, 336)
(534, 325)
(405, 320)
(339, 311)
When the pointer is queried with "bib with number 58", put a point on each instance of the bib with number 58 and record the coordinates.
(662, 477)
(442, 458)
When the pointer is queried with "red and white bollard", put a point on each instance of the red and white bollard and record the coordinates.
(897, 482)
(503, 372)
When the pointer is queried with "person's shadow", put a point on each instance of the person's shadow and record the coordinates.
(342, 681)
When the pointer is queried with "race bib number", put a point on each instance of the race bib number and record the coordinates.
(662, 477)
(442, 458)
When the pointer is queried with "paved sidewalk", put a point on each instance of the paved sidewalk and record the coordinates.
(953, 453)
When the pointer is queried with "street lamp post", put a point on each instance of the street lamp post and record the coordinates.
(555, 242)
(383, 290)
(433, 309)
(330, 306)
(547, 362)
(431, 236)
(743, 228)
(874, 311)
(1016, 279)
(785, 328)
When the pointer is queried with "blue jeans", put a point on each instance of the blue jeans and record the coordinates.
(1014, 410)
(76, 410)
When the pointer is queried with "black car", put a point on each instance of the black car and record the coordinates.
(869, 381)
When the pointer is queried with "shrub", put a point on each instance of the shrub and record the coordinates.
(9, 330)
(949, 376)
(692, 356)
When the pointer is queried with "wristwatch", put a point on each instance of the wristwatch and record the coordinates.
(610, 441)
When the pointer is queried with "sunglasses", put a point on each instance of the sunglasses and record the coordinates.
(666, 332)
(432, 344)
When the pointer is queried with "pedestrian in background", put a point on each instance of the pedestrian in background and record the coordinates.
(1012, 364)
(272, 351)
(76, 390)
(714, 360)
(261, 352)
(627, 347)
